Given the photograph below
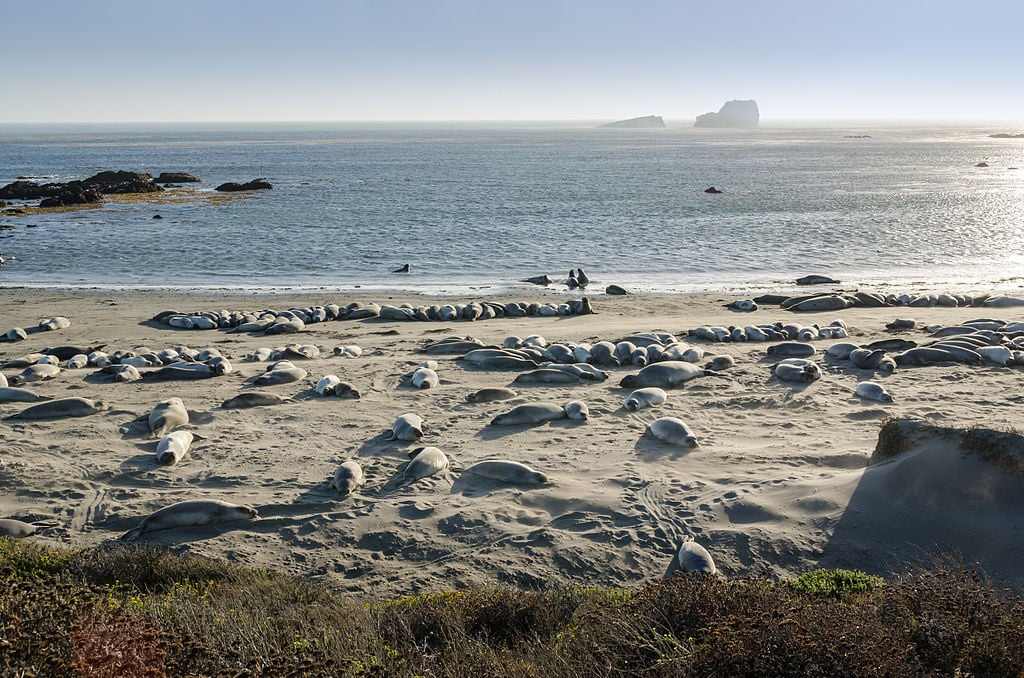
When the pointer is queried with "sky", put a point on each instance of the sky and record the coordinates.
(413, 60)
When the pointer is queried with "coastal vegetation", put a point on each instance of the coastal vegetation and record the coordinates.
(146, 612)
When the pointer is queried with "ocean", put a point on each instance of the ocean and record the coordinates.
(474, 208)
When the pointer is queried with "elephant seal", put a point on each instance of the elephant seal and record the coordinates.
(792, 349)
(406, 427)
(191, 513)
(645, 397)
(38, 372)
(181, 371)
(424, 377)
(16, 334)
(507, 472)
(62, 407)
(866, 359)
(531, 413)
(666, 374)
(405, 268)
(486, 395)
(167, 416)
(816, 280)
(348, 477)
(577, 410)
(23, 395)
(3, 380)
(692, 558)
(720, 362)
(673, 431)
(58, 323)
(17, 529)
(426, 461)
(538, 280)
(873, 391)
(547, 376)
(173, 447)
(255, 399)
(285, 375)
(797, 372)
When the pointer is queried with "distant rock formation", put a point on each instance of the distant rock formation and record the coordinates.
(645, 121)
(735, 113)
(1005, 135)
(176, 178)
(255, 184)
(80, 191)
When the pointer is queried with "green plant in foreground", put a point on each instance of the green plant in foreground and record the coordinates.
(834, 583)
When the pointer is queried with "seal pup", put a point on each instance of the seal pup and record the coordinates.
(191, 513)
(167, 416)
(645, 397)
(486, 395)
(692, 558)
(873, 391)
(667, 374)
(348, 477)
(577, 410)
(285, 375)
(3, 380)
(39, 372)
(255, 399)
(720, 362)
(331, 384)
(538, 280)
(62, 407)
(547, 376)
(531, 413)
(424, 377)
(16, 334)
(173, 447)
(791, 349)
(803, 373)
(425, 461)
(22, 395)
(19, 529)
(408, 426)
(507, 472)
(673, 430)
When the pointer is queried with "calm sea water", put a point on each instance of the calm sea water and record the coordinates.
(475, 205)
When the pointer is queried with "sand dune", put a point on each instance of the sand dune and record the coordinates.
(779, 484)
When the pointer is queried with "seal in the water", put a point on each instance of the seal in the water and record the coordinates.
(486, 395)
(255, 399)
(406, 427)
(673, 431)
(191, 513)
(167, 416)
(348, 477)
(407, 268)
(62, 407)
(173, 447)
(507, 472)
(426, 461)
(873, 391)
(645, 397)
(816, 280)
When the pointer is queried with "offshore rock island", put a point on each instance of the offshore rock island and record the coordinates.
(733, 114)
(645, 121)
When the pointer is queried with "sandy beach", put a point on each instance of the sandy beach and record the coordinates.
(779, 484)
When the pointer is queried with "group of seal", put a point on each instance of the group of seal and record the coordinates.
(777, 331)
(836, 301)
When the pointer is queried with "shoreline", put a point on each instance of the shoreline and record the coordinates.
(767, 491)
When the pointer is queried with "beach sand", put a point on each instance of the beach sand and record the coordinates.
(779, 484)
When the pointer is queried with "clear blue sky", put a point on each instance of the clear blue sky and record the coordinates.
(186, 60)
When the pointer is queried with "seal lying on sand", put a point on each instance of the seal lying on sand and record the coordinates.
(348, 477)
(507, 472)
(408, 426)
(692, 558)
(191, 513)
(62, 407)
(673, 431)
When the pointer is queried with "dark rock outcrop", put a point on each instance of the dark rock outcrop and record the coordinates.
(28, 190)
(119, 182)
(176, 178)
(255, 184)
(71, 196)
(80, 191)
(643, 122)
(735, 113)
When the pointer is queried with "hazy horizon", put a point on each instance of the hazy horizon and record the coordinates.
(358, 61)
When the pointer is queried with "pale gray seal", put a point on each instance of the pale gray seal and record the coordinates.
(173, 447)
(23, 395)
(873, 391)
(577, 410)
(62, 407)
(255, 399)
(424, 377)
(408, 426)
(645, 397)
(348, 477)
(486, 395)
(507, 472)
(38, 372)
(286, 375)
(674, 431)
(531, 413)
(426, 461)
(720, 362)
(191, 513)
(17, 529)
(167, 416)
(692, 558)
(666, 374)
(58, 323)
(803, 372)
